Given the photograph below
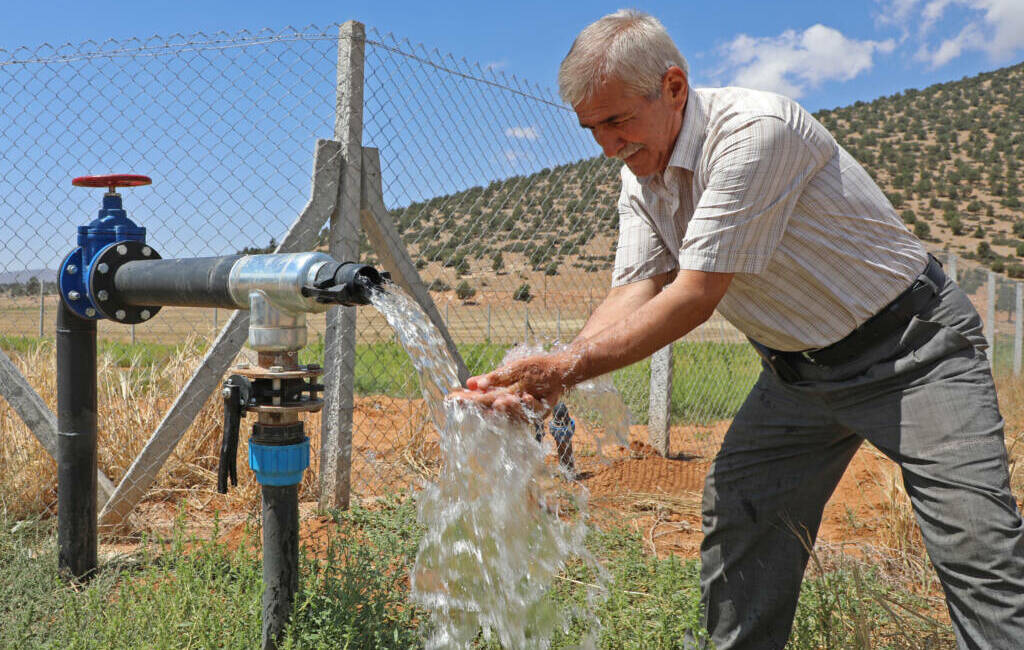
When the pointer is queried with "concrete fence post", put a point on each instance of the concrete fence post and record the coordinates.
(951, 266)
(659, 413)
(343, 244)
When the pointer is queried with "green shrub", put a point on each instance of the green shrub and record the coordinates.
(464, 291)
(522, 293)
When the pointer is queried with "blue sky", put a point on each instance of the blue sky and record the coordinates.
(230, 157)
(826, 54)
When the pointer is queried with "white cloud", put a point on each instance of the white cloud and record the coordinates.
(513, 156)
(993, 27)
(795, 61)
(522, 132)
(494, 66)
(932, 12)
(895, 12)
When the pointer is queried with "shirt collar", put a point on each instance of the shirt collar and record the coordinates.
(690, 141)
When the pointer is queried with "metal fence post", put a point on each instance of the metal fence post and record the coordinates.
(343, 244)
(1018, 326)
(526, 325)
(951, 261)
(660, 410)
(488, 339)
(558, 325)
(990, 318)
(42, 309)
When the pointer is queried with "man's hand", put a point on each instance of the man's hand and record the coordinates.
(533, 384)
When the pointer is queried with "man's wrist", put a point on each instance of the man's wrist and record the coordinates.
(571, 363)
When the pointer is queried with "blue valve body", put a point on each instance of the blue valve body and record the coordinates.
(109, 228)
(279, 464)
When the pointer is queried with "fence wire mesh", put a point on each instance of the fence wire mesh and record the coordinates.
(501, 200)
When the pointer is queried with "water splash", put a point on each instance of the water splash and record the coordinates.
(500, 525)
(423, 342)
(595, 401)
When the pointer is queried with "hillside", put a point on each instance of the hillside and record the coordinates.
(947, 156)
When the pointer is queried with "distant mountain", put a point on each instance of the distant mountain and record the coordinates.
(20, 277)
(948, 157)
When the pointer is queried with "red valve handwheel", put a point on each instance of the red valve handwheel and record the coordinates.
(112, 181)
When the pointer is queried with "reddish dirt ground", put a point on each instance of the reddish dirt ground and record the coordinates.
(395, 447)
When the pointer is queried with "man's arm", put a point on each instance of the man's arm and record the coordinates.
(682, 305)
(538, 381)
(622, 301)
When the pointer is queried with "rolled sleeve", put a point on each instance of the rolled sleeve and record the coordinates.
(751, 188)
(640, 252)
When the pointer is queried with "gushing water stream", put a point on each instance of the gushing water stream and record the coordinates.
(500, 525)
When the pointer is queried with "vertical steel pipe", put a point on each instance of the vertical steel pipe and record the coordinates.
(76, 443)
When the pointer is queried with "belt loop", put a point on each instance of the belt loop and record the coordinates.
(779, 366)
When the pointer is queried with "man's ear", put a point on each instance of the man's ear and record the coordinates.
(674, 87)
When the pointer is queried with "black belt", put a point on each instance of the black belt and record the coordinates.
(891, 318)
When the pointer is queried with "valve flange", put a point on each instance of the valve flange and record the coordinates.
(101, 282)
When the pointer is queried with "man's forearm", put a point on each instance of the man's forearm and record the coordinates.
(620, 302)
(638, 333)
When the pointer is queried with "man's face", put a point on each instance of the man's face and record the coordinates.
(639, 131)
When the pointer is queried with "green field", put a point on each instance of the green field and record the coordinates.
(709, 382)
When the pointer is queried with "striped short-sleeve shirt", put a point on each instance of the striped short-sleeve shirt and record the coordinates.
(757, 187)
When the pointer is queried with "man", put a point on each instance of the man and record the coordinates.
(740, 201)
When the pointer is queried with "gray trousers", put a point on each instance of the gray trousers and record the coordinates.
(924, 397)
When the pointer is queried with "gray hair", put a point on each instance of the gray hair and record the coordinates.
(628, 45)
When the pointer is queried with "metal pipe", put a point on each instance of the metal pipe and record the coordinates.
(76, 443)
(297, 283)
(195, 282)
(280, 559)
(282, 278)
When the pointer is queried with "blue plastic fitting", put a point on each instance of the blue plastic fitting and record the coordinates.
(279, 464)
(111, 227)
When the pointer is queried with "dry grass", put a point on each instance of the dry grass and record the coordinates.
(132, 400)
(28, 484)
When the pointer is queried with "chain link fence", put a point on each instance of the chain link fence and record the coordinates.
(501, 200)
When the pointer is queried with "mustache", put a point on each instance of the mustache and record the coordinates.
(628, 151)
